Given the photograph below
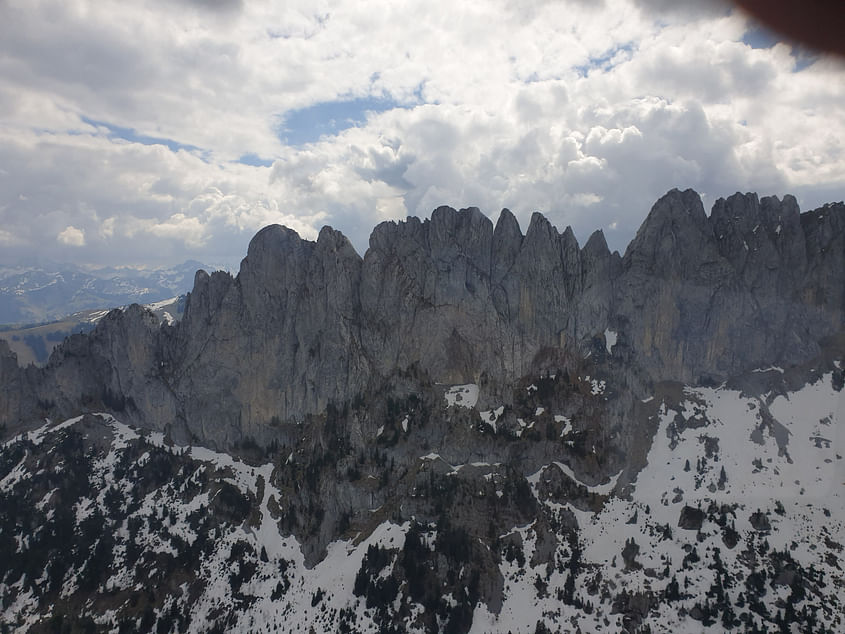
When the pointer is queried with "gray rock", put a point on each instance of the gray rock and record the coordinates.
(691, 519)
(760, 522)
(453, 299)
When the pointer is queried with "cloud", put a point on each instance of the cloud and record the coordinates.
(685, 9)
(218, 5)
(72, 236)
(158, 130)
(7, 238)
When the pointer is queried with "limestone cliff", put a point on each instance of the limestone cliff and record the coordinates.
(453, 299)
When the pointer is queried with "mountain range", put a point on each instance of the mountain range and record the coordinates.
(49, 291)
(466, 429)
(33, 343)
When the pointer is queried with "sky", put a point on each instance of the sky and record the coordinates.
(147, 133)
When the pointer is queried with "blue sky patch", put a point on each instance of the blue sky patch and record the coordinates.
(328, 118)
(604, 61)
(760, 37)
(804, 57)
(129, 134)
(254, 160)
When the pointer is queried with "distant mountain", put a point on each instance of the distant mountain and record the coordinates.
(33, 343)
(38, 294)
(468, 429)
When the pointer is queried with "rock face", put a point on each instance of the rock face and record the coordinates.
(397, 515)
(455, 300)
(499, 426)
(275, 343)
(706, 298)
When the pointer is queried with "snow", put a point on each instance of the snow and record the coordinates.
(84, 509)
(36, 436)
(600, 489)
(46, 499)
(19, 473)
(806, 475)
(159, 305)
(25, 603)
(491, 416)
(769, 369)
(786, 448)
(523, 426)
(334, 575)
(462, 395)
(597, 386)
(122, 433)
(567, 424)
(610, 338)
(96, 316)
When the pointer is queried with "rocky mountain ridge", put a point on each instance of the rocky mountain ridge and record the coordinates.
(33, 343)
(45, 292)
(467, 429)
(456, 300)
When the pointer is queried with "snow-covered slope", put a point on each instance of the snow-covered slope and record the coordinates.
(737, 522)
(191, 531)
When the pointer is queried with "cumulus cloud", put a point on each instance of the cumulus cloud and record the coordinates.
(126, 123)
(72, 236)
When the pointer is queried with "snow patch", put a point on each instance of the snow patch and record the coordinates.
(491, 416)
(567, 424)
(462, 395)
(162, 303)
(610, 339)
(769, 369)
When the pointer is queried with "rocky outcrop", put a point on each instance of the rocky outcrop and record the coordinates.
(17, 396)
(706, 298)
(455, 299)
(119, 365)
(280, 340)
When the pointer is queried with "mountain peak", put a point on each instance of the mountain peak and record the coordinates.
(596, 245)
(675, 231)
(463, 430)
(507, 227)
(272, 238)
